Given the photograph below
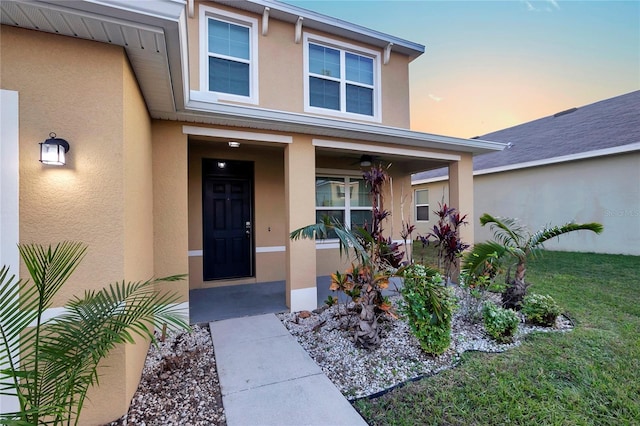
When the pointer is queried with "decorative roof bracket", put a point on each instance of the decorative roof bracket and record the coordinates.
(299, 30)
(387, 53)
(265, 21)
(190, 8)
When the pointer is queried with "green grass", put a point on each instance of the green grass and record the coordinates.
(589, 376)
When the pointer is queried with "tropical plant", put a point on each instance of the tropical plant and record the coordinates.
(49, 364)
(540, 309)
(514, 241)
(428, 306)
(446, 237)
(500, 323)
(374, 257)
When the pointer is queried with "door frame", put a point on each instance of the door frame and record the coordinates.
(233, 170)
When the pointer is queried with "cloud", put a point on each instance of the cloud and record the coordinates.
(435, 98)
(539, 6)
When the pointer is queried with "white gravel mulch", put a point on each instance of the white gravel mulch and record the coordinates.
(360, 373)
(180, 385)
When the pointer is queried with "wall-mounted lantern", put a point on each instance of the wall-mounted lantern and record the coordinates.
(53, 150)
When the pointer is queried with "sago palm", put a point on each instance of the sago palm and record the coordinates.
(49, 365)
(513, 240)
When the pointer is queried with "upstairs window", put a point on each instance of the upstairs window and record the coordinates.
(229, 61)
(341, 79)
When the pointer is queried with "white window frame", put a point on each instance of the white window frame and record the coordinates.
(347, 208)
(415, 197)
(343, 47)
(204, 94)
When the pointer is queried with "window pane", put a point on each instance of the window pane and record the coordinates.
(361, 219)
(359, 193)
(359, 100)
(329, 192)
(359, 68)
(228, 39)
(324, 61)
(422, 213)
(422, 196)
(336, 214)
(228, 77)
(324, 93)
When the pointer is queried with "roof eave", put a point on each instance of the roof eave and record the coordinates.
(241, 116)
(289, 13)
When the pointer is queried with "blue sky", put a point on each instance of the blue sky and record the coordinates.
(489, 65)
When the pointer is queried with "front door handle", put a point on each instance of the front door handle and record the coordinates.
(247, 229)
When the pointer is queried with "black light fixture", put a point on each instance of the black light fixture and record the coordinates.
(366, 160)
(53, 150)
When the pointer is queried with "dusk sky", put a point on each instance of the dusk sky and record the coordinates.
(489, 65)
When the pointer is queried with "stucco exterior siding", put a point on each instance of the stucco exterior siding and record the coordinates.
(604, 190)
(281, 75)
(170, 204)
(98, 108)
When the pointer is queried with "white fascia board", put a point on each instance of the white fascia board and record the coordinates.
(363, 147)
(161, 9)
(431, 180)
(332, 25)
(544, 162)
(562, 159)
(302, 123)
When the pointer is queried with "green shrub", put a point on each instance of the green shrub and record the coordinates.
(540, 310)
(500, 323)
(428, 306)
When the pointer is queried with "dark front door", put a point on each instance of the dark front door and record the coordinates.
(227, 219)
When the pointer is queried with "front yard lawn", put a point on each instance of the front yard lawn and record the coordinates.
(590, 375)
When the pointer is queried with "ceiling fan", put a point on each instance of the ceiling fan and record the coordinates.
(366, 160)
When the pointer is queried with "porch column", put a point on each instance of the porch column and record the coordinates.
(461, 193)
(299, 181)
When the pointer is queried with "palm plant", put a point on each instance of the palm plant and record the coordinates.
(372, 255)
(513, 240)
(49, 365)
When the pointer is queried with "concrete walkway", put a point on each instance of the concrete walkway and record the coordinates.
(267, 378)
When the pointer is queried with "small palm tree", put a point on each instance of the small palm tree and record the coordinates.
(515, 241)
(49, 365)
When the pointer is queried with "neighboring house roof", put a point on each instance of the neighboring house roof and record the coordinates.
(603, 128)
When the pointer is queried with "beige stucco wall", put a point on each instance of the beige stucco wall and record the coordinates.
(86, 93)
(170, 205)
(281, 76)
(604, 190)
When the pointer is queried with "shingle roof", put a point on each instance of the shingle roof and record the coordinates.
(605, 124)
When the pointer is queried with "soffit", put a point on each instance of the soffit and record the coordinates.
(141, 32)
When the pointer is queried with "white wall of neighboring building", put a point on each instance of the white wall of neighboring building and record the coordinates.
(604, 190)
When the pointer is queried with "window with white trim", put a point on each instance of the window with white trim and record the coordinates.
(343, 198)
(341, 79)
(422, 205)
(229, 46)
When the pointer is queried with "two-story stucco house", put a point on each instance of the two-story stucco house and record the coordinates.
(201, 133)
